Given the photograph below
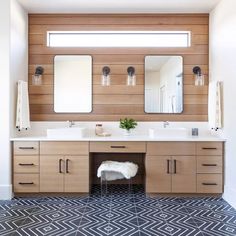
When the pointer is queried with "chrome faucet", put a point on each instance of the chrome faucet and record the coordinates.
(71, 123)
(166, 123)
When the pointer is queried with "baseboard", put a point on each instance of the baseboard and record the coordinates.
(6, 192)
(230, 196)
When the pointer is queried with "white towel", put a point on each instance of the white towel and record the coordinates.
(22, 110)
(117, 170)
(215, 105)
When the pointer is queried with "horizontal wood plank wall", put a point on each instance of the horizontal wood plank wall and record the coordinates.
(112, 103)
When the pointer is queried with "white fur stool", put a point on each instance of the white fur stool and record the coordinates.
(114, 170)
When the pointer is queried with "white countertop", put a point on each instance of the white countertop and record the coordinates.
(123, 138)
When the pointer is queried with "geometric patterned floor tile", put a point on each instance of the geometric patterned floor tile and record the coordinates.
(119, 213)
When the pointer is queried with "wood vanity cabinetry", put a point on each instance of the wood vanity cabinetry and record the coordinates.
(64, 167)
(184, 167)
(26, 167)
(170, 167)
(209, 167)
(118, 147)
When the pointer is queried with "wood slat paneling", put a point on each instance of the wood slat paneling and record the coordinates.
(118, 100)
(40, 99)
(196, 29)
(118, 89)
(192, 89)
(123, 109)
(201, 49)
(195, 99)
(95, 117)
(44, 89)
(119, 19)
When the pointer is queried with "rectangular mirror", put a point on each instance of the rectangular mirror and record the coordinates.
(163, 84)
(73, 84)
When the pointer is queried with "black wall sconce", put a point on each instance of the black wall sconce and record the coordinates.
(199, 77)
(131, 78)
(37, 77)
(106, 80)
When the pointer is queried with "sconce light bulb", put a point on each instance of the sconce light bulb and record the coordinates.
(37, 77)
(131, 78)
(199, 77)
(106, 80)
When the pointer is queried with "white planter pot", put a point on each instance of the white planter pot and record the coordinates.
(127, 132)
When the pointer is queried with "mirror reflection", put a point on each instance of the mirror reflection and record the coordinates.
(73, 84)
(163, 84)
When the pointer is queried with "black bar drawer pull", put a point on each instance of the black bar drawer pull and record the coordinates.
(26, 164)
(60, 171)
(26, 148)
(168, 167)
(118, 146)
(174, 166)
(209, 164)
(67, 165)
(209, 184)
(209, 148)
(25, 183)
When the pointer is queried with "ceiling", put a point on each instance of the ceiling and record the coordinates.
(119, 6)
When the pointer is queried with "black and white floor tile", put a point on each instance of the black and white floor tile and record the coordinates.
(118, 213)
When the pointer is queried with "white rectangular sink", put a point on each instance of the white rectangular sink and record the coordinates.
(67, 132)
(171, 132)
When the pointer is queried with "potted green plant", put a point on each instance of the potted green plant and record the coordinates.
(127, 124)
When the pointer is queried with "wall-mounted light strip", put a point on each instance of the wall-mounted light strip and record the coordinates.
(118, 38)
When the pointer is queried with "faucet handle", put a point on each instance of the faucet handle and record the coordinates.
(166, 123)
(70, 123)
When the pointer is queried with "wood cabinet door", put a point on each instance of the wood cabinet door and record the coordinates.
(183, 174)
(158, 174)
(76, 174)
(52, 173)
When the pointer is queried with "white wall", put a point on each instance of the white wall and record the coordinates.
(13, 64)
(5, 164)
(223, 68)
(18, 55)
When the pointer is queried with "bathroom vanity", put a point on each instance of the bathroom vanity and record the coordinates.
(193, 165)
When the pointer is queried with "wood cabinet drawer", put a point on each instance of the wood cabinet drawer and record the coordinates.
(64, 148)
(209, 164)
(26, 148)
(170, 148)
(210, 148)
(26, 164)
(209, 183)
(26, 183)
(122, 147)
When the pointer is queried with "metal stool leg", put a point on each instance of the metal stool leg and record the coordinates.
(103, 178)
(130, 186)
(101, 184)
(106, 186)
